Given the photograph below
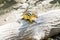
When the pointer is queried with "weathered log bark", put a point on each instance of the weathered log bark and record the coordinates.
(50, 26)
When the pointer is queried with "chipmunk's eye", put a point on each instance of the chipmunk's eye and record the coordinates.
(29, 14)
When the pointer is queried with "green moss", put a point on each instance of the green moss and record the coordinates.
(1, 1)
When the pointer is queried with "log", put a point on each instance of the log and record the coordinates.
(22, 30)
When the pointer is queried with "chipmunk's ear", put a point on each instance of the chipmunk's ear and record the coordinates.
(25, 12)
(34, 13)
